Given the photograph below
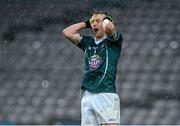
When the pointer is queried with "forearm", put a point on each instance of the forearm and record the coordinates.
(110, 30)
(75, 28)
(72, 32)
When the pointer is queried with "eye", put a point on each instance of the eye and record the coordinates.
(98, 21)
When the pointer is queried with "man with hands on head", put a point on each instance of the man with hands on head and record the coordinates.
(100, 103)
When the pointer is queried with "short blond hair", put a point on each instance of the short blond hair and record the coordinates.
(98, 12)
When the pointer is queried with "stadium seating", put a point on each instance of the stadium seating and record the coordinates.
(40, 71)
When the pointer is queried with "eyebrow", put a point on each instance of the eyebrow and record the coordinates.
(96, 20)
(92, 20)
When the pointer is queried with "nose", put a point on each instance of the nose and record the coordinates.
(94, 24)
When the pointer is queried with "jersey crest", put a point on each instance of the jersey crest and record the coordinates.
(94, 62)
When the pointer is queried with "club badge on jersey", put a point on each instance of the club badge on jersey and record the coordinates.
(94, 62)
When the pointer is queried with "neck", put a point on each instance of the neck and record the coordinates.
(100, 38)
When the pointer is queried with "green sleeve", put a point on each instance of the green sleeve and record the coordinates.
(116, 38)
(85, 40)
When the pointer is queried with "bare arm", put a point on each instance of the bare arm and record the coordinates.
(72, 32)
(110, 30)
(108, 27)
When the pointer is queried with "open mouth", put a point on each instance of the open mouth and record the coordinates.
(95, 30)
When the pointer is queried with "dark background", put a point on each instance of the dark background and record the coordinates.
(40, 71)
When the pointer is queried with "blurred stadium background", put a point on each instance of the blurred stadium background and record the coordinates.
(40, 71)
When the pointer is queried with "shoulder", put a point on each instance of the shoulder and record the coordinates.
(86, 38)
(116, 38)
(85, 41)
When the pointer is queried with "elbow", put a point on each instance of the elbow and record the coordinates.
(65, 33)
(109, 29)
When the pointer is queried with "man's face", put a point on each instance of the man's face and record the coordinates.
(96, 25)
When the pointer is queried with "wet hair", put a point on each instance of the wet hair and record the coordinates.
(94, 12)
(98, 12)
